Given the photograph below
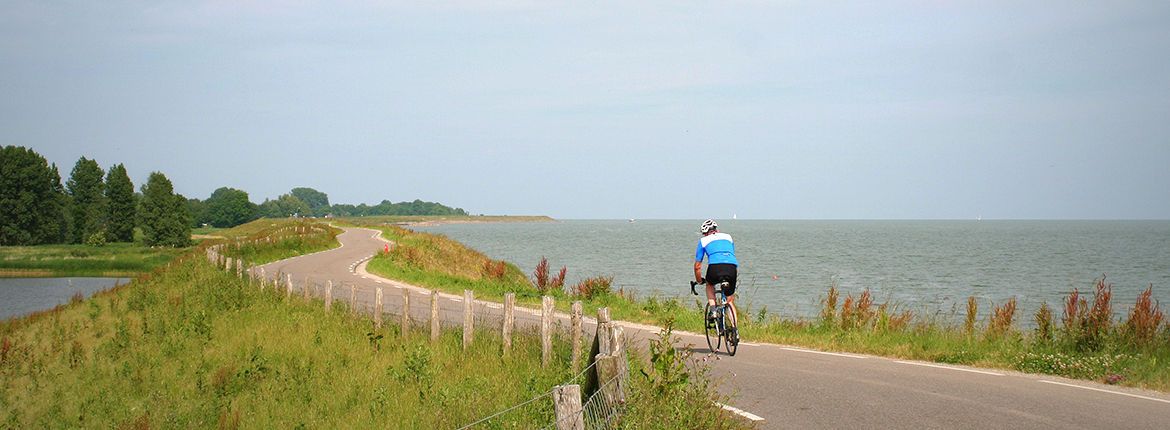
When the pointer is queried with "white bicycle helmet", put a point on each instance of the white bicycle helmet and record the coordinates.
(707, 226)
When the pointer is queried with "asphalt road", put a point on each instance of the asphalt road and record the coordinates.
(792, 387)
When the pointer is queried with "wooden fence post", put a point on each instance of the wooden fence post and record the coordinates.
(575, 361)
(600, 347)
(240, 268)
(227, 264)
(263, 278)
(288, 288)
(607, 369)
(509, 321)
(378, 308)
(434, 315)
(305, 290)
(546, 311)
(328, 295)
(468, 318)
(567, 404)
(353, 298)
(405, 324)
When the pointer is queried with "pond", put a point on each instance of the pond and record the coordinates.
(22, 296)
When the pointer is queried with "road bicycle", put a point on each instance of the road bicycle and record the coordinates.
(721, 327)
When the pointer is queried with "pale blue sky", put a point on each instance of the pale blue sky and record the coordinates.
(922, 109)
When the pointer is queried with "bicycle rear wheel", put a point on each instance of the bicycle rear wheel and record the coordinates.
(712, 331)
(731, 340)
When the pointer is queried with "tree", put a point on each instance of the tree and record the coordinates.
(63, 204)
(318, 202)
(284, 206)
(165, 221)
(123, 208)
(31, 202)
(86, 188)
(198, 210)
(229, 207)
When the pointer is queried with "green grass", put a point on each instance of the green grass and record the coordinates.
(206, 231)
(289, 238)
(111, 260)
(193, 347)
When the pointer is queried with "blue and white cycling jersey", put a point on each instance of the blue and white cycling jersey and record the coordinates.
(718, 248)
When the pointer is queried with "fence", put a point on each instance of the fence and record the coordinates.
(595, 403)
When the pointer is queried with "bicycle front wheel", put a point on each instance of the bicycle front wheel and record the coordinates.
(710, 328)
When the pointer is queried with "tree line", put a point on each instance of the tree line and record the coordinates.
(92, 207)
(229, 207)
(96, 206)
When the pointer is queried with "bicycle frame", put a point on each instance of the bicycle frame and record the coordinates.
(723, 333)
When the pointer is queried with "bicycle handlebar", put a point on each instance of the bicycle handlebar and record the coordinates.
(721, 285)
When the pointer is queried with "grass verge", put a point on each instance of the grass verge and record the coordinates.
(192, 346)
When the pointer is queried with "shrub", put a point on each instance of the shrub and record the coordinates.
(847, 313)
(98, 238)
(829, 312)
(1001, 318)
(1044, 323)
(594, 287)
(1075, 309)
(558, 282)
(540, 276)
(1144, 319)
(972, 312)
(494, 269)
(1087, 328)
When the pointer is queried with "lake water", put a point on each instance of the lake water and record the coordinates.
(930, 267)
(21, 296)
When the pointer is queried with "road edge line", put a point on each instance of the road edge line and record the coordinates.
(741, 412)
(1103, 390)
(939, 366)
(810, 351)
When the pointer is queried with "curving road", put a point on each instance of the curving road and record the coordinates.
(787, 387)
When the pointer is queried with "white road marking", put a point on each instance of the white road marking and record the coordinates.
(915, 363)
(740, 412)
(1104, 391)
(749, 344)
(823, 352)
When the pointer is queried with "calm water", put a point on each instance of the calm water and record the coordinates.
(20, 296)
(926, 266)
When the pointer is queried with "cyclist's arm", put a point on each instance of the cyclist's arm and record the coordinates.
(699, 252)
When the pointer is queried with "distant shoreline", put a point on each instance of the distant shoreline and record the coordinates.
(431, 221)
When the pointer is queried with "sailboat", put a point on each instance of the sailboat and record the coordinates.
(733, 216)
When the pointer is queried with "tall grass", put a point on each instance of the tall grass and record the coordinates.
(115, 259)
(195, 347)
(267, 240)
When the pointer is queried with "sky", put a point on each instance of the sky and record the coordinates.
(646, 109)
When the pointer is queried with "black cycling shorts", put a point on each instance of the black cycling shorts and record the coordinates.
(717, 273)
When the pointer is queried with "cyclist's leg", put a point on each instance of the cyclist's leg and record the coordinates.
(734, 313)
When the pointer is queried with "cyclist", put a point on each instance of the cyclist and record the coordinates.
(721, 265)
